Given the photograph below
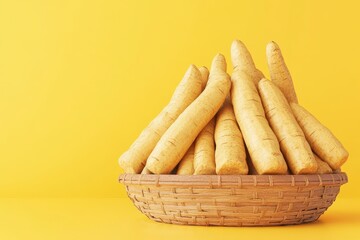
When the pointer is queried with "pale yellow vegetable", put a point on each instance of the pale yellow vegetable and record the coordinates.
(293, 144)
(204, 75)
(279, 73)
(204, 157)
(323, 167)
(260, 140)
(181, 134)
(204, 144)
(134, 159)
(186, 165)
(145, 171)
(230, 155)
(242, 60)
(320, 138)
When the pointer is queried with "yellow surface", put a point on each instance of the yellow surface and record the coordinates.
(115, 218)
(80, 79)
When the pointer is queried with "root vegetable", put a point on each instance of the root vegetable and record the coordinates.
(230, 155)
(242, 60)
(145, 171)
(134, 159)
(279, 73)
(204, 157)
(204, 75)
(320, 138)
(177, 139)
(323, 167)
(186, 165)
(293, 144)
(260, 140)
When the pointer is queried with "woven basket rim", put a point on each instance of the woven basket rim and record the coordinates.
(231, 180)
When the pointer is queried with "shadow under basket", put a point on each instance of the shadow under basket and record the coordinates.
(233, 200)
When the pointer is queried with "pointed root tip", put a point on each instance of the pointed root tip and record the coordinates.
(192, 67)
(219, 62)
(236, 43)
(240, 55)
(192, 70)
(264, 81)
(272, 46)
(203, 68)
(204, 71)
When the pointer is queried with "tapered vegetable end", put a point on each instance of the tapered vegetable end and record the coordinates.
(203, 69)
(240, 56)
(266, 83)
(263, 81)
(121, 161)
(218, 63)
(146, 171)
(124, 164)
(299, 110)
(204, 75)
(192, 72)
(272, 48)
(192, 66)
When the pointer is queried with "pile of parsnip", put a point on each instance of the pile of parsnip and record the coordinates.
(243, 124)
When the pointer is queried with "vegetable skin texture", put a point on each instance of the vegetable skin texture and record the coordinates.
(261, 142)
(186, 165)
(323, 167)
(204, 157)
(293, 144)
(279, 73)
(146, 171)
(321, 139)
(230, 154)
(242, 60)
(182, 133)
(190, 87)
(204, 75)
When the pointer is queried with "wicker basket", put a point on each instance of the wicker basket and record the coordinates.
(233, 200)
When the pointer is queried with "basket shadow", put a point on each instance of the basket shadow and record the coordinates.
(340, 218)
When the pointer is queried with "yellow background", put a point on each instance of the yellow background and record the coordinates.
(79, 79)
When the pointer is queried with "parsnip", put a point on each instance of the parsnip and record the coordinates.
(204, 156)
(180, 135)
(145, 171)
(242, 60)
(134, 159)
(320, 138)
(186, 165)
(293, 144)
(261, 141)
(204, 75)
(279, 73)
(323, 167)
(230, 155)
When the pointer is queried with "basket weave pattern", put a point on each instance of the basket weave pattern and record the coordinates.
(233, 200)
